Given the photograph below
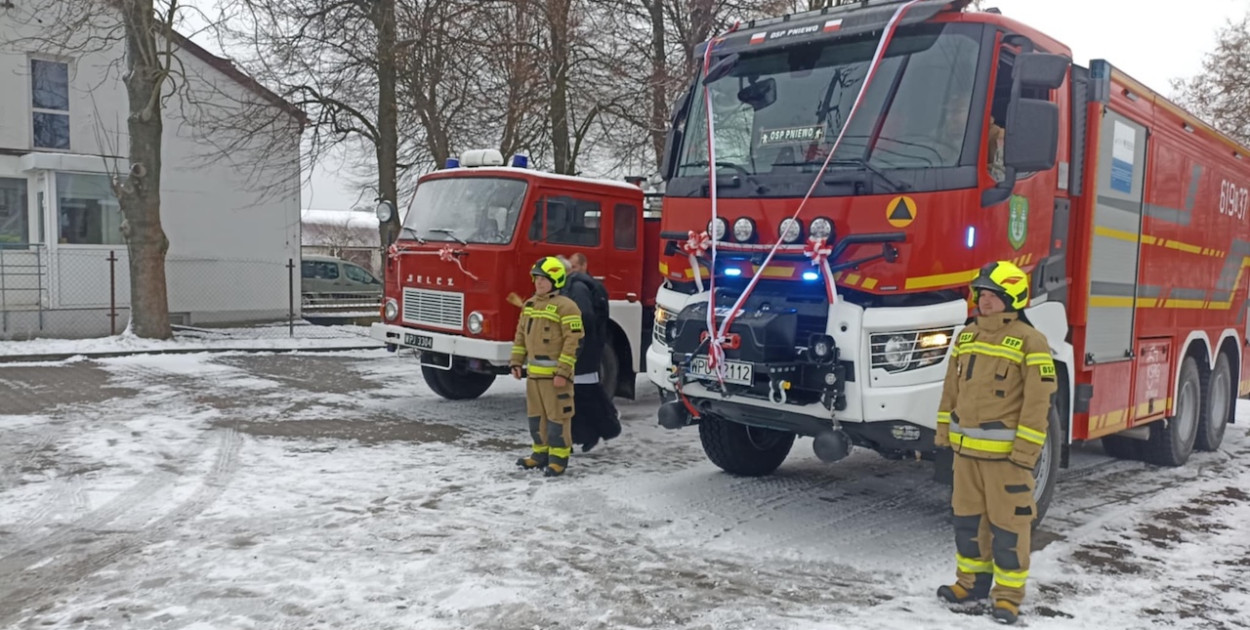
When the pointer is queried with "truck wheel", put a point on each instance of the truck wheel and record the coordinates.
(609, 370)
(1046, 471)
(456, 384)
(741, 450)
(1219, 401)
(1172, 440)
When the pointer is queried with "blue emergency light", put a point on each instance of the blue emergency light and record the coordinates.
(452, 163)
(810, 275)
(733, 271)
(520, 160)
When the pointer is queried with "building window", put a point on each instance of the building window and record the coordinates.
(49, 82)
(87, 211)
(14, 215)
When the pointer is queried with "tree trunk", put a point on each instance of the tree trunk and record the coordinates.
(659, 80)
(139, 193)
(558, 71)
(388, 118)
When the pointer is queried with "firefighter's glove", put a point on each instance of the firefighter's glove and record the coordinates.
(1025, 461)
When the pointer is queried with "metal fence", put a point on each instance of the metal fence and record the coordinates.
(82, 292)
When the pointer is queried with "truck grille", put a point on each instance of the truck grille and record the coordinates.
(438, 309)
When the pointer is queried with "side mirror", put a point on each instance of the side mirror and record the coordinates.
(1032, 139)
(1041, 70)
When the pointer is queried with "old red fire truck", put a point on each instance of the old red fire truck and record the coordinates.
(976, 139)
(468, 242)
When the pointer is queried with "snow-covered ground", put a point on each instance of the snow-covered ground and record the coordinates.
(335, 491)
(268, 337)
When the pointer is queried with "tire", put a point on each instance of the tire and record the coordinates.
(609, 370)
(456, 384)
(1218, 406)
(741, 450)
(1172, 440)
(1046, 471)
(1121, 447)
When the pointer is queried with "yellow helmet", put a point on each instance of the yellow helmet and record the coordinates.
(552, 269)
(1010, 282)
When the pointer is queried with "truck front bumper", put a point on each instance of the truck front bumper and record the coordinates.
(496, 353)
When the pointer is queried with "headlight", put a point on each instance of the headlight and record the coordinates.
(821, 228)
(790, 230)
(744, 229)
(659, 332)
(897, 352)
(475, 322)
(385, 211)
(718, 228)
(391, 310)
(902, 351)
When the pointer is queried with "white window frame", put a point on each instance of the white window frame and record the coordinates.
(67, 112)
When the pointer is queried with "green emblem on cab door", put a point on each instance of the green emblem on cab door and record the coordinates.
(1018, 224)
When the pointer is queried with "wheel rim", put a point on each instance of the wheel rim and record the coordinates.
(1219, 402)
(1041, 473)
(1187, 413)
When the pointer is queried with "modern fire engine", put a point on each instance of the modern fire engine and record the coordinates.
(868, 159)
(468, 242)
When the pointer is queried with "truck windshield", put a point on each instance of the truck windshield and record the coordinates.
(466, 210)
(779, 111)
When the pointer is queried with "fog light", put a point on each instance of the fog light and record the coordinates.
(821, 347)
(475, 322)
(831, 379)
(905, 432)
(934, 340)
(391, 310)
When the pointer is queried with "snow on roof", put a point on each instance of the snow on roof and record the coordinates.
(504, 170)
(340, 218)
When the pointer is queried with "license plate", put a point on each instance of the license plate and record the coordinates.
(736, 372)
(419, 341)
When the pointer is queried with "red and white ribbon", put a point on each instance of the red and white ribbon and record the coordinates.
(696, 245)
(819, 251)
(716, 338)
(446, 254)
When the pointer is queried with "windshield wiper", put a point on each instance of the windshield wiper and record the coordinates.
(895, 184)
(451, 233)
(860, 162)
(414, 234)
(738, 168)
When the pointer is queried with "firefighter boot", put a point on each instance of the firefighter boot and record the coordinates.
(956, 594)
(1006, 612)
(553, 470)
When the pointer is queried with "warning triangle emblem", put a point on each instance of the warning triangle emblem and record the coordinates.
(901, 212)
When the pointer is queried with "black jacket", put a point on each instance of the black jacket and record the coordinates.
(592, 300)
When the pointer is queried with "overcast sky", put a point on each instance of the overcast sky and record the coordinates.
(1152, 40)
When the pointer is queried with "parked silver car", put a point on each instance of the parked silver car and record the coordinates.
(328, 280)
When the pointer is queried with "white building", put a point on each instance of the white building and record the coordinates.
(230, 202)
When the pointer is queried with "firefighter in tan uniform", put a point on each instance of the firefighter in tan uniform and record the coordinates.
(548, 339)
(994, 414)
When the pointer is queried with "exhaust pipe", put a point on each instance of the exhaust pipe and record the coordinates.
(673, 415)
(831, 446)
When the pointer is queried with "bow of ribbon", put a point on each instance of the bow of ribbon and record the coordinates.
(818, 250)
(392, 251)
(447, 254)
(697, 244)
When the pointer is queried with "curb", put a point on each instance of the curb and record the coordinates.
(30, 358)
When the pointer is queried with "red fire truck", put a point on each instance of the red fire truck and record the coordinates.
(467, 245)
(976, 140)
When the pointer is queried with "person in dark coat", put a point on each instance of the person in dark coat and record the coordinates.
(596, 418)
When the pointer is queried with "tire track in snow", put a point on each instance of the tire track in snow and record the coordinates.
(23, 585)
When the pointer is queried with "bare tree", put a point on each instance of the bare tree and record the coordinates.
(151, 75)
(338, 60)
(1221, 91)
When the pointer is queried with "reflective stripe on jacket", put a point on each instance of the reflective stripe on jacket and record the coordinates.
(996, 397)
(548, 337)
